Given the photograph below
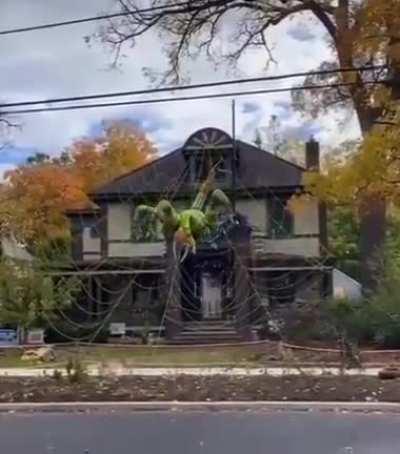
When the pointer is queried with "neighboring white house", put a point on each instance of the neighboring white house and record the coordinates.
(13, 250)
(345, 286)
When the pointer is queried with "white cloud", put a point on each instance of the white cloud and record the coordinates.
(4, 168)
(57, 62)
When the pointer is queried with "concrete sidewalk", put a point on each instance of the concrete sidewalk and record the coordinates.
(299, 406)
(203, 371)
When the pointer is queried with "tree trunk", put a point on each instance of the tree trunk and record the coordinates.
(372, 214)
(372, 209)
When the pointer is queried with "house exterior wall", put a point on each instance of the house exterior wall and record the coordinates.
(119, 221)
(345, 286)
(119, 242)
(135, 305)
(91, 246)
(306, 218)
(305, 240)
(308, 247)
(256, 212)
(128, 249)
(85, 245)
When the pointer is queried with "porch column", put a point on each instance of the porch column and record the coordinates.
(242, 286)
(172, 295)
(327, 284)
(98, 296)
(90, 299)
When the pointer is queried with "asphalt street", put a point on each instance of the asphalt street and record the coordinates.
(199, 432)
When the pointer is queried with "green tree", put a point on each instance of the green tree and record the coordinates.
(30, 298)
(343, 233)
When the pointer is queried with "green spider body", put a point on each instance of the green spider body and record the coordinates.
(190, 225)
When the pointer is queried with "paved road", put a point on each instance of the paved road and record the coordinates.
(241, 432)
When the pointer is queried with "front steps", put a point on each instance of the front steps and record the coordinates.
(207, 332)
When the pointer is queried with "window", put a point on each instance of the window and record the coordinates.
(94, 231)
(148, 230)
(201, 164)
(200, 168)
(280, 219)
(221, 170)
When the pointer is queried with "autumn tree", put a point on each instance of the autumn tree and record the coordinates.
(121, 148)
(360, 33)
(33, 199)
(35, 196)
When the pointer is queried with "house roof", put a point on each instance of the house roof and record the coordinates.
(258, 169)
(83, 207)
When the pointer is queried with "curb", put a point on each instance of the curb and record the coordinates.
(300, 406)
(198, 371)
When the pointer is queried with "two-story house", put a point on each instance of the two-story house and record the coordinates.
(125, 271)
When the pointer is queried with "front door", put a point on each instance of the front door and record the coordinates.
(211, 296)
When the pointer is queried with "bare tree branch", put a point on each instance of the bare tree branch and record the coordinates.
(8, 123)
(195, 26)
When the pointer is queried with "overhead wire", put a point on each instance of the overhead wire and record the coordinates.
(190, 98)
(175, 88)
(97, 18)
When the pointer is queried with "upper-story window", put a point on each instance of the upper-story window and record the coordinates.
(201, 163)
(94, 230)
(281, 222)
(148, 229)
(222, 170)
(206, 149)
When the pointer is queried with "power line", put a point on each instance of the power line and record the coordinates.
(187, 98)
(189, 86)
(95, 18)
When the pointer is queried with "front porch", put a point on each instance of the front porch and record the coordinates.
(212, 297)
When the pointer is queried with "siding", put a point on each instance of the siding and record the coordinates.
(308, 247)
(256, 212)
(306, 218)
(90, 244)
(131, 249)
(119, 221)
(306, 222)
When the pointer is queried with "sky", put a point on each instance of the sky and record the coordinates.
(58, 63)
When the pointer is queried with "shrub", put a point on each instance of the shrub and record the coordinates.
(76, 370)
(57, 375)
(384, 310)
(352, 320)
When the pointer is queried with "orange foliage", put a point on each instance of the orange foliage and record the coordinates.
(34, 198)
(122, 149)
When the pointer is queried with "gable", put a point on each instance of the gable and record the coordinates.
(156, 177)
(258, 169)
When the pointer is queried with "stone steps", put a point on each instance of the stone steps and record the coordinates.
(207, 332)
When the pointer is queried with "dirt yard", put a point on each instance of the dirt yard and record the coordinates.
(192, 388)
